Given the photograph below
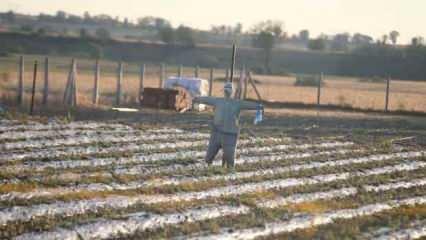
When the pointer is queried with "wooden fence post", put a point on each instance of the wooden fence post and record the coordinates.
(68, 93)
(197, 71)
(20, 93)
(245, 83)
(162, 74)
(96, 84)
(180, 71)
(46, 81)
(74, 96)
(387, 94)
(211, 81)
(142, 78)
(119, 80)
(320, 79)
(33, 89)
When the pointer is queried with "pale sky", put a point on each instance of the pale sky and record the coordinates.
(373, 17)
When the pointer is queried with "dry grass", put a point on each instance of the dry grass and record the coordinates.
(343, 91)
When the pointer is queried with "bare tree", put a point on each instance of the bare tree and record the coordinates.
(393, 36)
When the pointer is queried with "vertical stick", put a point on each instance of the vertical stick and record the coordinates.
(119, 80)
(68, 85)
(245, 83)
(46, 81)
(197, 71)
(96, 85)
(74, 96)
(211, 81)
(33, 90)
(162, 74)
(320, 79)
(254, 86)
(387, 94)
(20, 89)
(180, 71)
(142, 78)
(226, 74)
(234, 50)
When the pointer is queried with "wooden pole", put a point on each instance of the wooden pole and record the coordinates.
(46, 81)
(20, 93)
(320, 80)
(234, 50)
(197, 71)
(96, 84)
(211, 81)
(68, 85)
(34, 88)
(74, 93)
(180, 71)
(254, 86)
(119, 80)
(142, 78)
(245, 83)
(162, 74)
(387, 94)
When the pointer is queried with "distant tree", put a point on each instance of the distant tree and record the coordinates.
(126, 22)
(417, 41)
(393, 36)
(384, 39)
(340, 42)
(304, 35)
(167, 35)
(153, 23)
(238, 28)
(266, 41)
(185, 36)
(361, 39)
(27, 28)
(61, 16)
(10, 17)
(317, 44)
(102, 34)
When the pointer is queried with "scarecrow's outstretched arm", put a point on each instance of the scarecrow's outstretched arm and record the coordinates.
(246, 105)
(205, 100)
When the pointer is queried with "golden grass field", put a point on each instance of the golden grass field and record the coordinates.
(343, 91)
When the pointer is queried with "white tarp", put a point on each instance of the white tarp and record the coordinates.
(195, 86)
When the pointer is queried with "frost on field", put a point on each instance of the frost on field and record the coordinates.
(90, 180)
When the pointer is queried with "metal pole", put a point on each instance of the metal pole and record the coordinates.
(234, 50)
(387, 94)
(33, 90)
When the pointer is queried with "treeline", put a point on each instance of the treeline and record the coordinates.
(374, 60)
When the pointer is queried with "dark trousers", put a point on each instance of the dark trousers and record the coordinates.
(228, 143)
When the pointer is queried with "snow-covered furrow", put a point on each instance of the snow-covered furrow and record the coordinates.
(176, 156)
(138, 222)
(106, 138)
(99, 187)
(34, 126)
(415, 230)
(308, 220)
(72, 208)
(397, 185)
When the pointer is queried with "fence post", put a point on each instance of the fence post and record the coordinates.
(74, 99)
(245, 83)
(197, 71)
(96, 86)
(46, 81)
(211, 81)
(69, 87)
(180, 71)
(320, 79)
(142, 78)
(119, 80)
(387, 94)
(33, 89)
(20, 89)
(162, 74)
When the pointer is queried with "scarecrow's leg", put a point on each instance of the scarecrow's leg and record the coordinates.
(229, 149)
(213, 148)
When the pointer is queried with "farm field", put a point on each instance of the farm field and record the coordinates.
(300, 177)
(338, 90)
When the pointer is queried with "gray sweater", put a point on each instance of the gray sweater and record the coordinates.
(227, 112)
